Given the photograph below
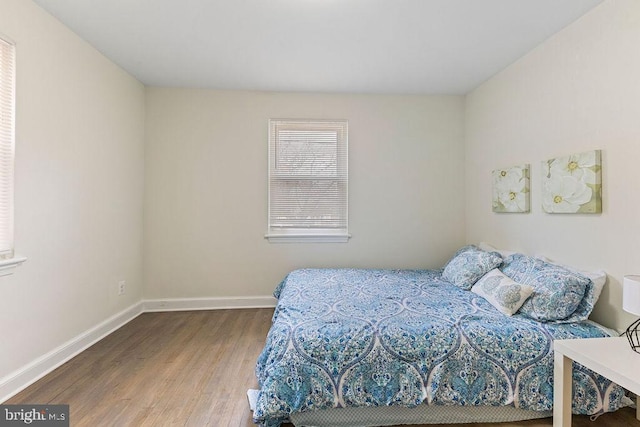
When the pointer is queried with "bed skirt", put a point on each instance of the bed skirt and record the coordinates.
(398, 415)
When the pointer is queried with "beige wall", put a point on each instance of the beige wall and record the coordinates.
(79, 183)
(206, 188)
(578, 91)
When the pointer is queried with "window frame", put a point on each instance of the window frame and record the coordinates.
(278, 233)
(8, 259)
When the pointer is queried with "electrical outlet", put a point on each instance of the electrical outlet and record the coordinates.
(122, 287)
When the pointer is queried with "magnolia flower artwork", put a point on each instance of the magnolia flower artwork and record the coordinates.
(511, 189)
(572, 184)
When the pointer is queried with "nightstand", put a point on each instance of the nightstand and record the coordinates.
(610, 357)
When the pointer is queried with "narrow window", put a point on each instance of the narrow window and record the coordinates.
(308, 181)
(7, 144)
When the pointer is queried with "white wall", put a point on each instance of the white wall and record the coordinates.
(578, 91)
(419, 175)
(206, 188)
(79, 184)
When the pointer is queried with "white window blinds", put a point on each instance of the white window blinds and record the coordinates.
(7, 138)
(308, 179)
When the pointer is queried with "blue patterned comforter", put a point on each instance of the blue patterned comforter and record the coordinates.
(348, 337)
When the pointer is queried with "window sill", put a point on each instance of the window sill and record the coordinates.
(8, 265)
(307, 238)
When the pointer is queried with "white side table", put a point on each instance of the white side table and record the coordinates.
(612, 358)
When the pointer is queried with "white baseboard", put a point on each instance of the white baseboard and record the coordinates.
(188, 304)
(18, 380)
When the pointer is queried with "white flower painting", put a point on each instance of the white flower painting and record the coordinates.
(511, 189)
(572, 184)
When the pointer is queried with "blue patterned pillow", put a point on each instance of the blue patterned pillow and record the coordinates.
(597, 280)
(557, 292)
(468, 265)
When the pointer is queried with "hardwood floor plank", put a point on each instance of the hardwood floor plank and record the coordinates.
(187, 369)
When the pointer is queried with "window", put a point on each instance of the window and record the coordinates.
(308, 181)
(7, 143)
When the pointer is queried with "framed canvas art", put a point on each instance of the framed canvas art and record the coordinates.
(573, 184)
(511, 189)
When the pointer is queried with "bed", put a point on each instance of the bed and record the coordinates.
(348, 341)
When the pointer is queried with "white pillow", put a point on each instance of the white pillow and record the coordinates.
(502, 292)
(490, 248)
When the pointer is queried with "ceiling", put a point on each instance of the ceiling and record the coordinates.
(357, 46)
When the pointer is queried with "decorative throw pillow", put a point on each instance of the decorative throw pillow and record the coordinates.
(557, 292)
(468, 265)
(597, 280)
(502, 292)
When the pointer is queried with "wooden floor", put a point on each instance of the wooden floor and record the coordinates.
(186, 369)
